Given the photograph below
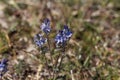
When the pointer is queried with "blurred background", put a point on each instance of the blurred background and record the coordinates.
(93, 52)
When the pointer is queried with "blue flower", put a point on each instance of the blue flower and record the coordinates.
(63, 36)
(3, 67)
(60, 38)
(67, 32)
(46, 26)
(39, 40)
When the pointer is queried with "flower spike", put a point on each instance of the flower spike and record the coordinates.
(3, 67)
(63, 36)
(39, 40)
(46, 26)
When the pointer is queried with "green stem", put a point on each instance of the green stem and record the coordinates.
(48, 41)
(58, 64)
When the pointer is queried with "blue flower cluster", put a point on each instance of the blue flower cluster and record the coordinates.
(63, 36)
(46, 26)
(3, 67)
(39, 40)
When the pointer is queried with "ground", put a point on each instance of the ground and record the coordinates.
(92, 53)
